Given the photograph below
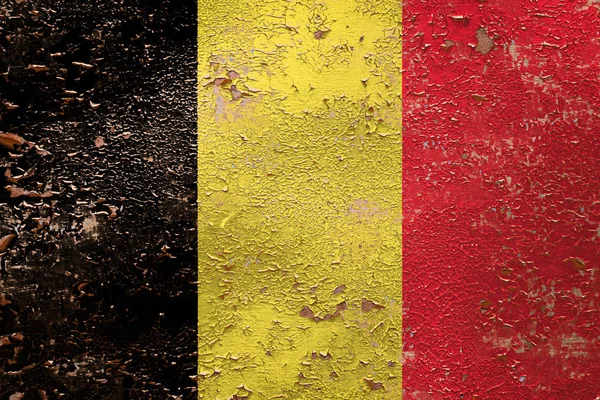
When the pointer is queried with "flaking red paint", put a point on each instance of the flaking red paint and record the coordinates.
(501, 200)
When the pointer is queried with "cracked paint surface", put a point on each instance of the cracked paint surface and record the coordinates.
(300, 175)
(501, 232)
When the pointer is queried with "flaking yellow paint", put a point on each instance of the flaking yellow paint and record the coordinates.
(299, 219)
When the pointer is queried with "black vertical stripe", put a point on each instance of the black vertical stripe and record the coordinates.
(98, 201)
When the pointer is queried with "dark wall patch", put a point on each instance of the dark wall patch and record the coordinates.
(97, 199)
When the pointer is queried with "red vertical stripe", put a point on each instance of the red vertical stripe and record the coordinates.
(501, 199)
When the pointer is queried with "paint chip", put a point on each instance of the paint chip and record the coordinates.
(484, 43)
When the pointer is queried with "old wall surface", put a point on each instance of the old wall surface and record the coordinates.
(396, 200)
(501, 199)
(300, 156)
(299, 165)
(97, 199)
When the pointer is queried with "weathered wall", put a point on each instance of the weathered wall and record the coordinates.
(97, 218)
(300, 201)
(501, 199)
(301, 162)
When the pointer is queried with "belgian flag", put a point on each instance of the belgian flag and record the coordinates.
(290, 199)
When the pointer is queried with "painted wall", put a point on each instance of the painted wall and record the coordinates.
(501, 199)
(300, 172)
(314, 284)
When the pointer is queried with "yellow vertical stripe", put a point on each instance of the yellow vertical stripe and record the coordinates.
(299, 218)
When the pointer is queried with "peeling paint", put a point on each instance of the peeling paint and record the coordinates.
(300, 176)
(501, 199)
